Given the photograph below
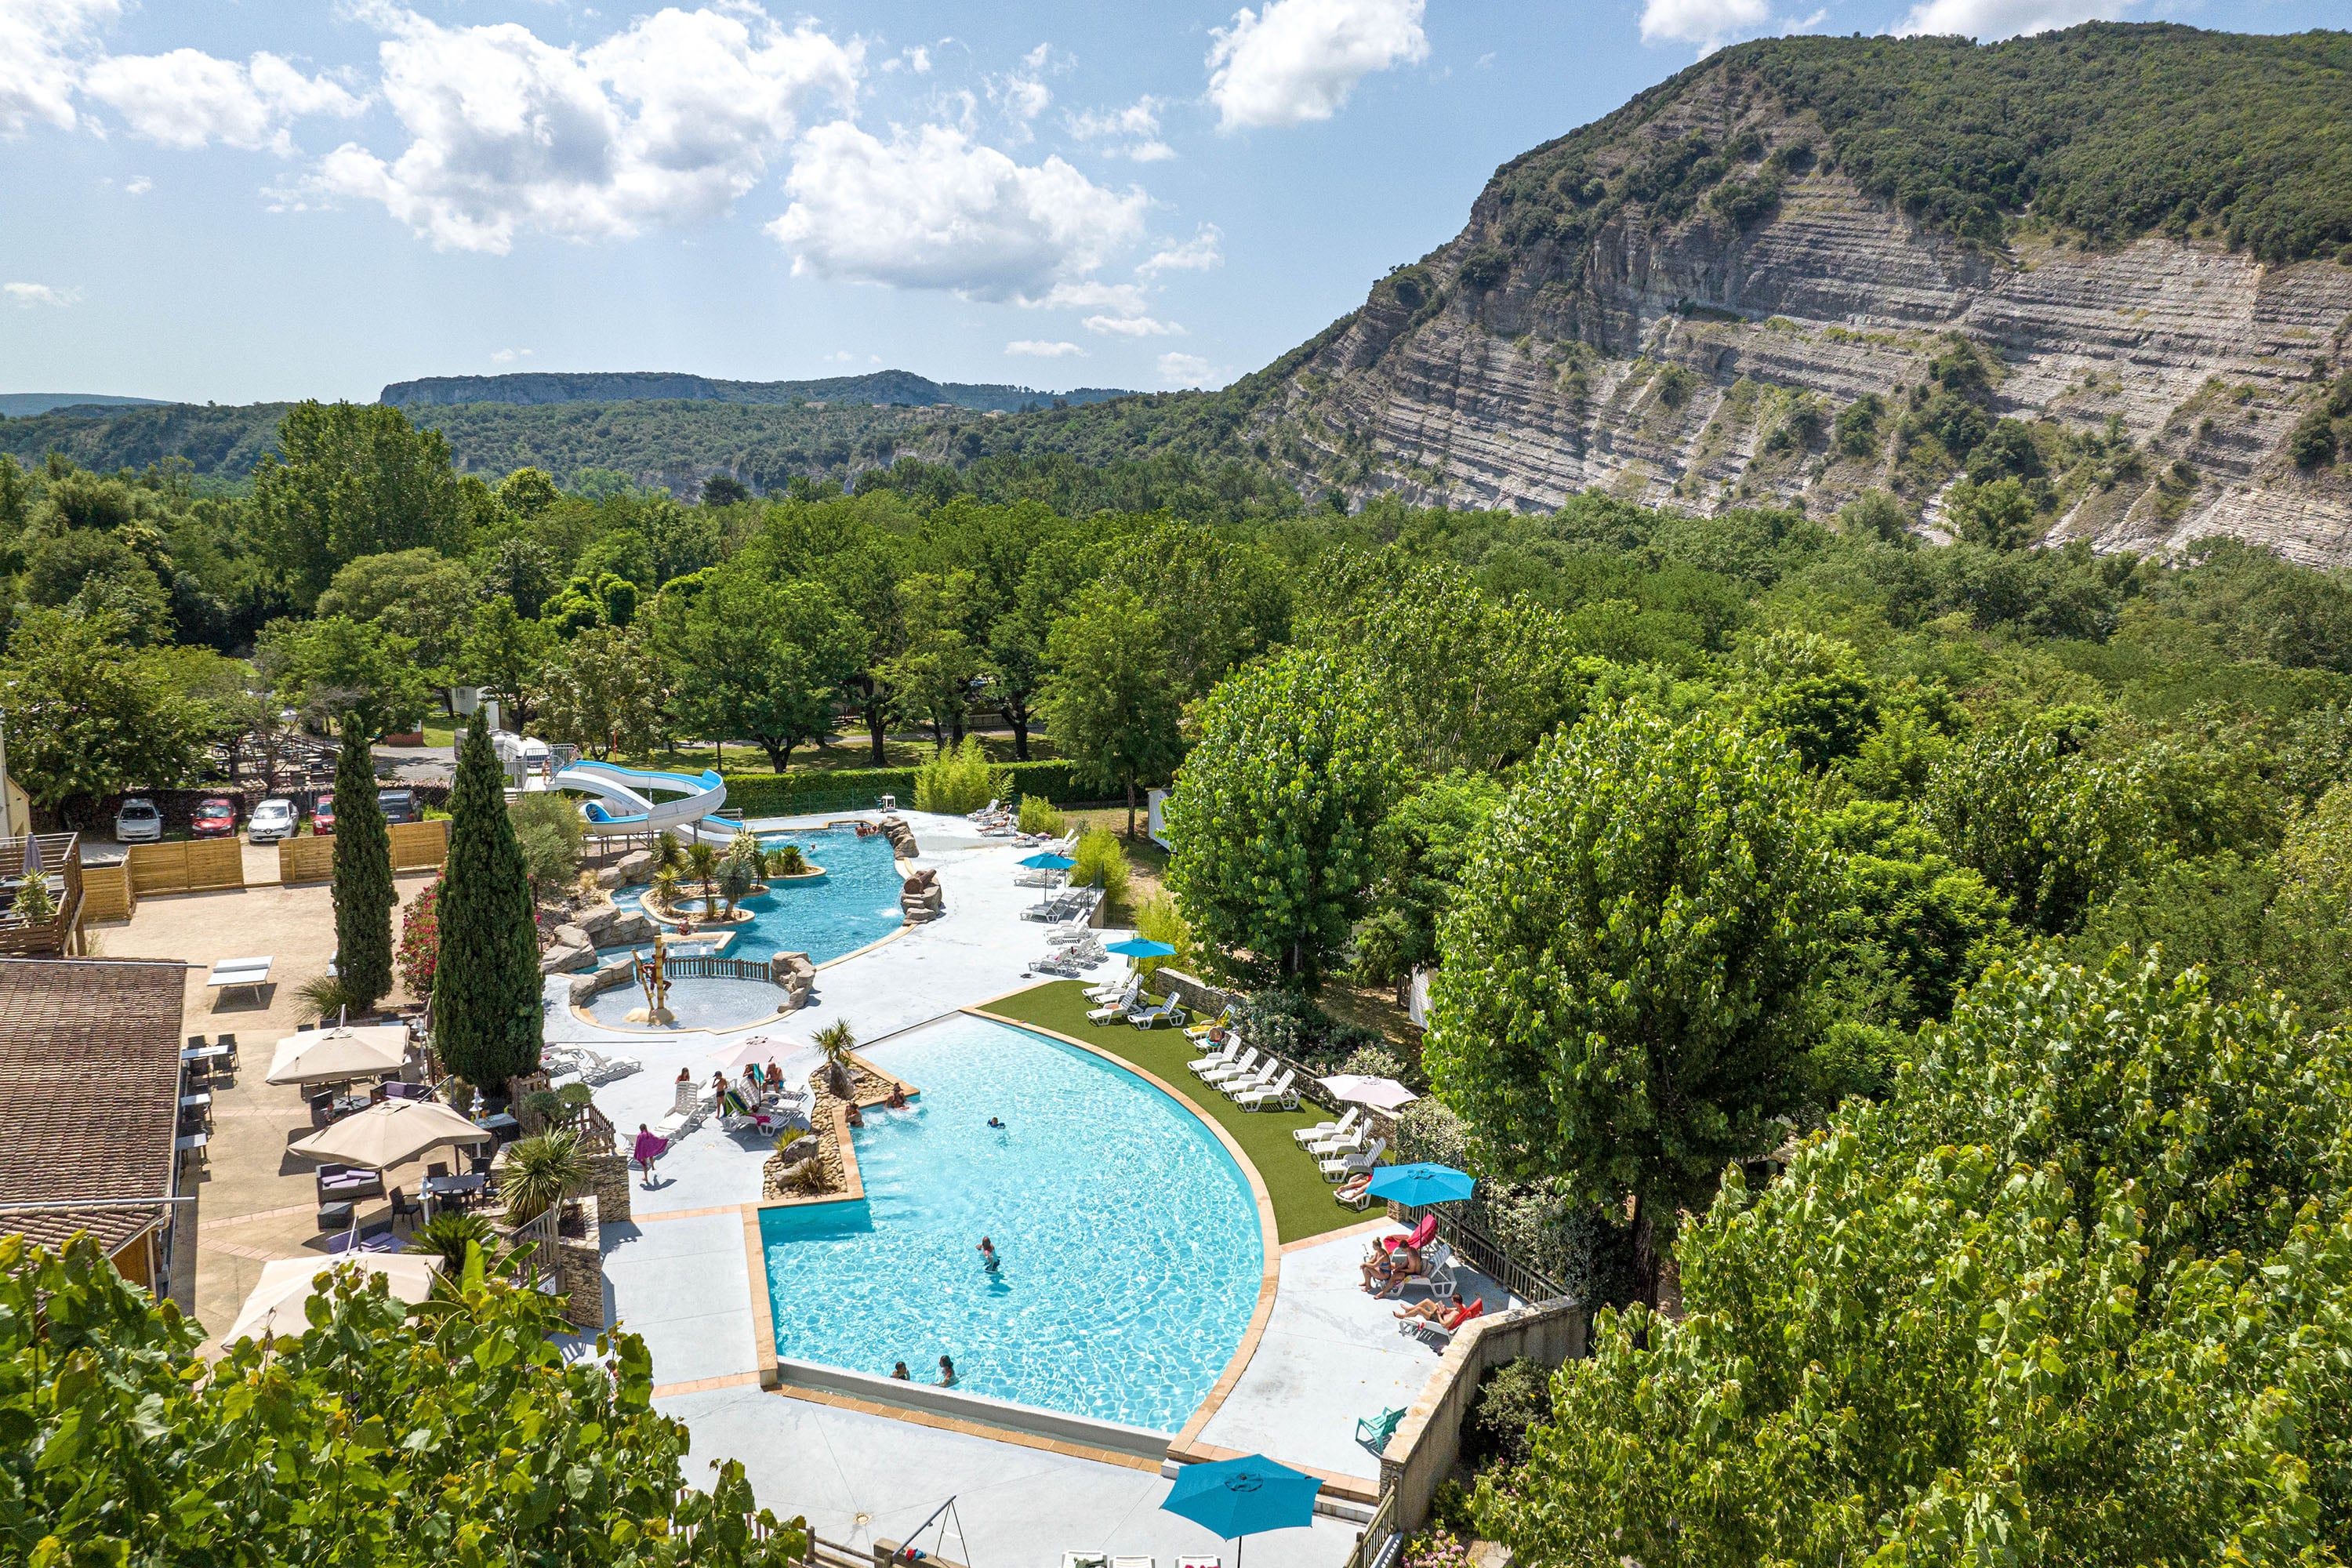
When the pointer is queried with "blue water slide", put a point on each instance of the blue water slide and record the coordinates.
(622, 800)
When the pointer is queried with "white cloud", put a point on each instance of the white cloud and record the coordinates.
(666, 122)
(508, 356)
(1132, 326)
(934, 210)
(1197, 254)
(188, 99)
(918, 60)
(1297, 60)
(1706, 23)
(1133, 131)
(138, 185)
(1037, 348)
(27, 296)
(1988, 20)
(39, 40)
(1126, 299)
(1185, 369)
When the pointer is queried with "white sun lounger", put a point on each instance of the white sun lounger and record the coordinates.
(1242, 1066)
(1168, 1011)
(1221, 1056)
(1116, 1008)
(1345, 1142)
(1341, 1167)
(1256, 1098)
(1235, 1087)
(1307, 1137)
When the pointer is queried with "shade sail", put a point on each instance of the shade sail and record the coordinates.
(333, 1056)
(390, 1134)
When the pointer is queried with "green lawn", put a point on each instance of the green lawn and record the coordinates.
(1303, 1204)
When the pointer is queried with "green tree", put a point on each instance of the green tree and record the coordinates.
(603, 692)
(2072, 1294)
(1812, 690)
(2000, 514)
(2047, 825)
(347, 480)
(763, 661)
(1111, 703)
(933, 676)
(1275, 812)
(1629, 966)
(335, 664)
(99, 573)
(1236, 599)
(485, 983)
(418, 593)
(88, 714)
(1422, 847)
(452, 1432)
(365, 895)
(506, 656)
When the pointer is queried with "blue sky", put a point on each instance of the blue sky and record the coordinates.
(213, 200)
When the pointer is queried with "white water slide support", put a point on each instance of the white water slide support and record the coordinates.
(630, 791)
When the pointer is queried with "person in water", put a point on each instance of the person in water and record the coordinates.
(988, 1258)
(897, 1100)
(992, 1121)
(901, 1374)
(947, 1373)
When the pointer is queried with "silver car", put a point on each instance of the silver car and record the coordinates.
(272, 820)
(138, 821)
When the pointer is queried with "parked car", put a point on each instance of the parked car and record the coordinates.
(398, 805)
(322, 815)
(216, 817)
(272, 820)
(138, 821)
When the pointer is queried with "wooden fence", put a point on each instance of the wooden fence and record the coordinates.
(310, 859)
(106, 893)
(419, 846)
(199, 865)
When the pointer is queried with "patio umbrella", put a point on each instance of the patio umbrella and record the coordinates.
(1046, 860)
(276, 1305)
(338, 1055)
(1418, 1186)
(1379, 1093)
(756, 1052)
(1140, 947)
(390, 1134)
(1235, 1498)
(32, 855)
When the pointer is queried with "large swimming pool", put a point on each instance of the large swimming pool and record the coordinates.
(1130, 1240)
(853, 903)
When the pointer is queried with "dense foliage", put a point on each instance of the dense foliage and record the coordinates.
(486, 987)
(2075, 1292)
(451, 1433)
(363, 894)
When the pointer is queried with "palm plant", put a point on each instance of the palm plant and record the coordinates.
(702, 865)
(446, 1234)
(737, 878)
(664, 890)
(324, 997)
(786, 860)
(667, 856)
(837, 1042)
(540, 1173)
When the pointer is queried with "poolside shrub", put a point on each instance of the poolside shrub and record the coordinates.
(737, 877)
(1101, 863)
(961, 780)
(1039, 815)
(1289, 1024)
(787, 861)
(1160, 919)
(836, 1041)
(546, 828)
(862, 789)
(1509, 1401)
(540, 1173)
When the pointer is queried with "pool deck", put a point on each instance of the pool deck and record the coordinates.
(684, 1275)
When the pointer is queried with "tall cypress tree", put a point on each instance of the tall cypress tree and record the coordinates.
(485, 989)
(364, 896)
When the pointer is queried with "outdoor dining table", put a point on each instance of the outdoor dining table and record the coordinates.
(348, 1105)
(230, 973)
(433, 1187)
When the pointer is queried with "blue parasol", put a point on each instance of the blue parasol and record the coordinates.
(1140, 947)
(1415, 1185)
(1235, 1498)
(1048, 861)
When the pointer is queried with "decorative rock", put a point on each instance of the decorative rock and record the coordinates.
(627, 930)
(596, 920)
(563, 959)
(629, 870)
(572, 936)
(801, 1148)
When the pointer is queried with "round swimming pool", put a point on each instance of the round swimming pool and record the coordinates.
(1129, 1243)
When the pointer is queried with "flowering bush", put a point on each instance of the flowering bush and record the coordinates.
(420, 941)
(1438, 1547)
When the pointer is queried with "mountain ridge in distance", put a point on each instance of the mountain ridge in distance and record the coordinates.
(24, 404)
(895, 388)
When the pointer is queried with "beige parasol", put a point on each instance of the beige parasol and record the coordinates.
(390, 1134)
(338, 1055)
(276, 1305)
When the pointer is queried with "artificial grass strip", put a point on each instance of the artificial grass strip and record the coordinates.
(1303, 1204)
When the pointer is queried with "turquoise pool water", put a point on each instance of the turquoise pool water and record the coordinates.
(1130, 1239)
(854, 902)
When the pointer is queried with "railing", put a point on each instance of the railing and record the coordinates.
(592, 1127)
(713, 967)
(1488, 1256)
(1376, 1543)
(539, 1234)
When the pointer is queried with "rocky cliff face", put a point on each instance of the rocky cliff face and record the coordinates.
(1703, 363)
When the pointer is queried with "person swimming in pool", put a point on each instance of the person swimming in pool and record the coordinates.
(993, 1121)
(901, 1374)
(988, 1258)
(947, 1373)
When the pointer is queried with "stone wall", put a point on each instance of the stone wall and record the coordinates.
(1428, 1441)
(580, 1267)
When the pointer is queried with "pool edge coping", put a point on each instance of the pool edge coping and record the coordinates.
(1181, 1446)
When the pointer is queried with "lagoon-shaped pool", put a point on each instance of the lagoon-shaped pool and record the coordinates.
(1130, 1246)
(854, 902)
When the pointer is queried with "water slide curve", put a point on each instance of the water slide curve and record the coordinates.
(622, 801)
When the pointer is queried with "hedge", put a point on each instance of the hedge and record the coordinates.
(861, 789)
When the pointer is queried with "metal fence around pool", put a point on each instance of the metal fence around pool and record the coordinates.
(714, 967)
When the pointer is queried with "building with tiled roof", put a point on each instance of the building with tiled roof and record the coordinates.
(90, 1112)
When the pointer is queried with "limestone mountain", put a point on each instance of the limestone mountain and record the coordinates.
(2095, 284)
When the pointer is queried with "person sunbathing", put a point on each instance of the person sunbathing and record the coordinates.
(1394, 1269)
(1446, 1315)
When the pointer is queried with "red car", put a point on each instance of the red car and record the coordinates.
(216, 817)
(322, 815)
